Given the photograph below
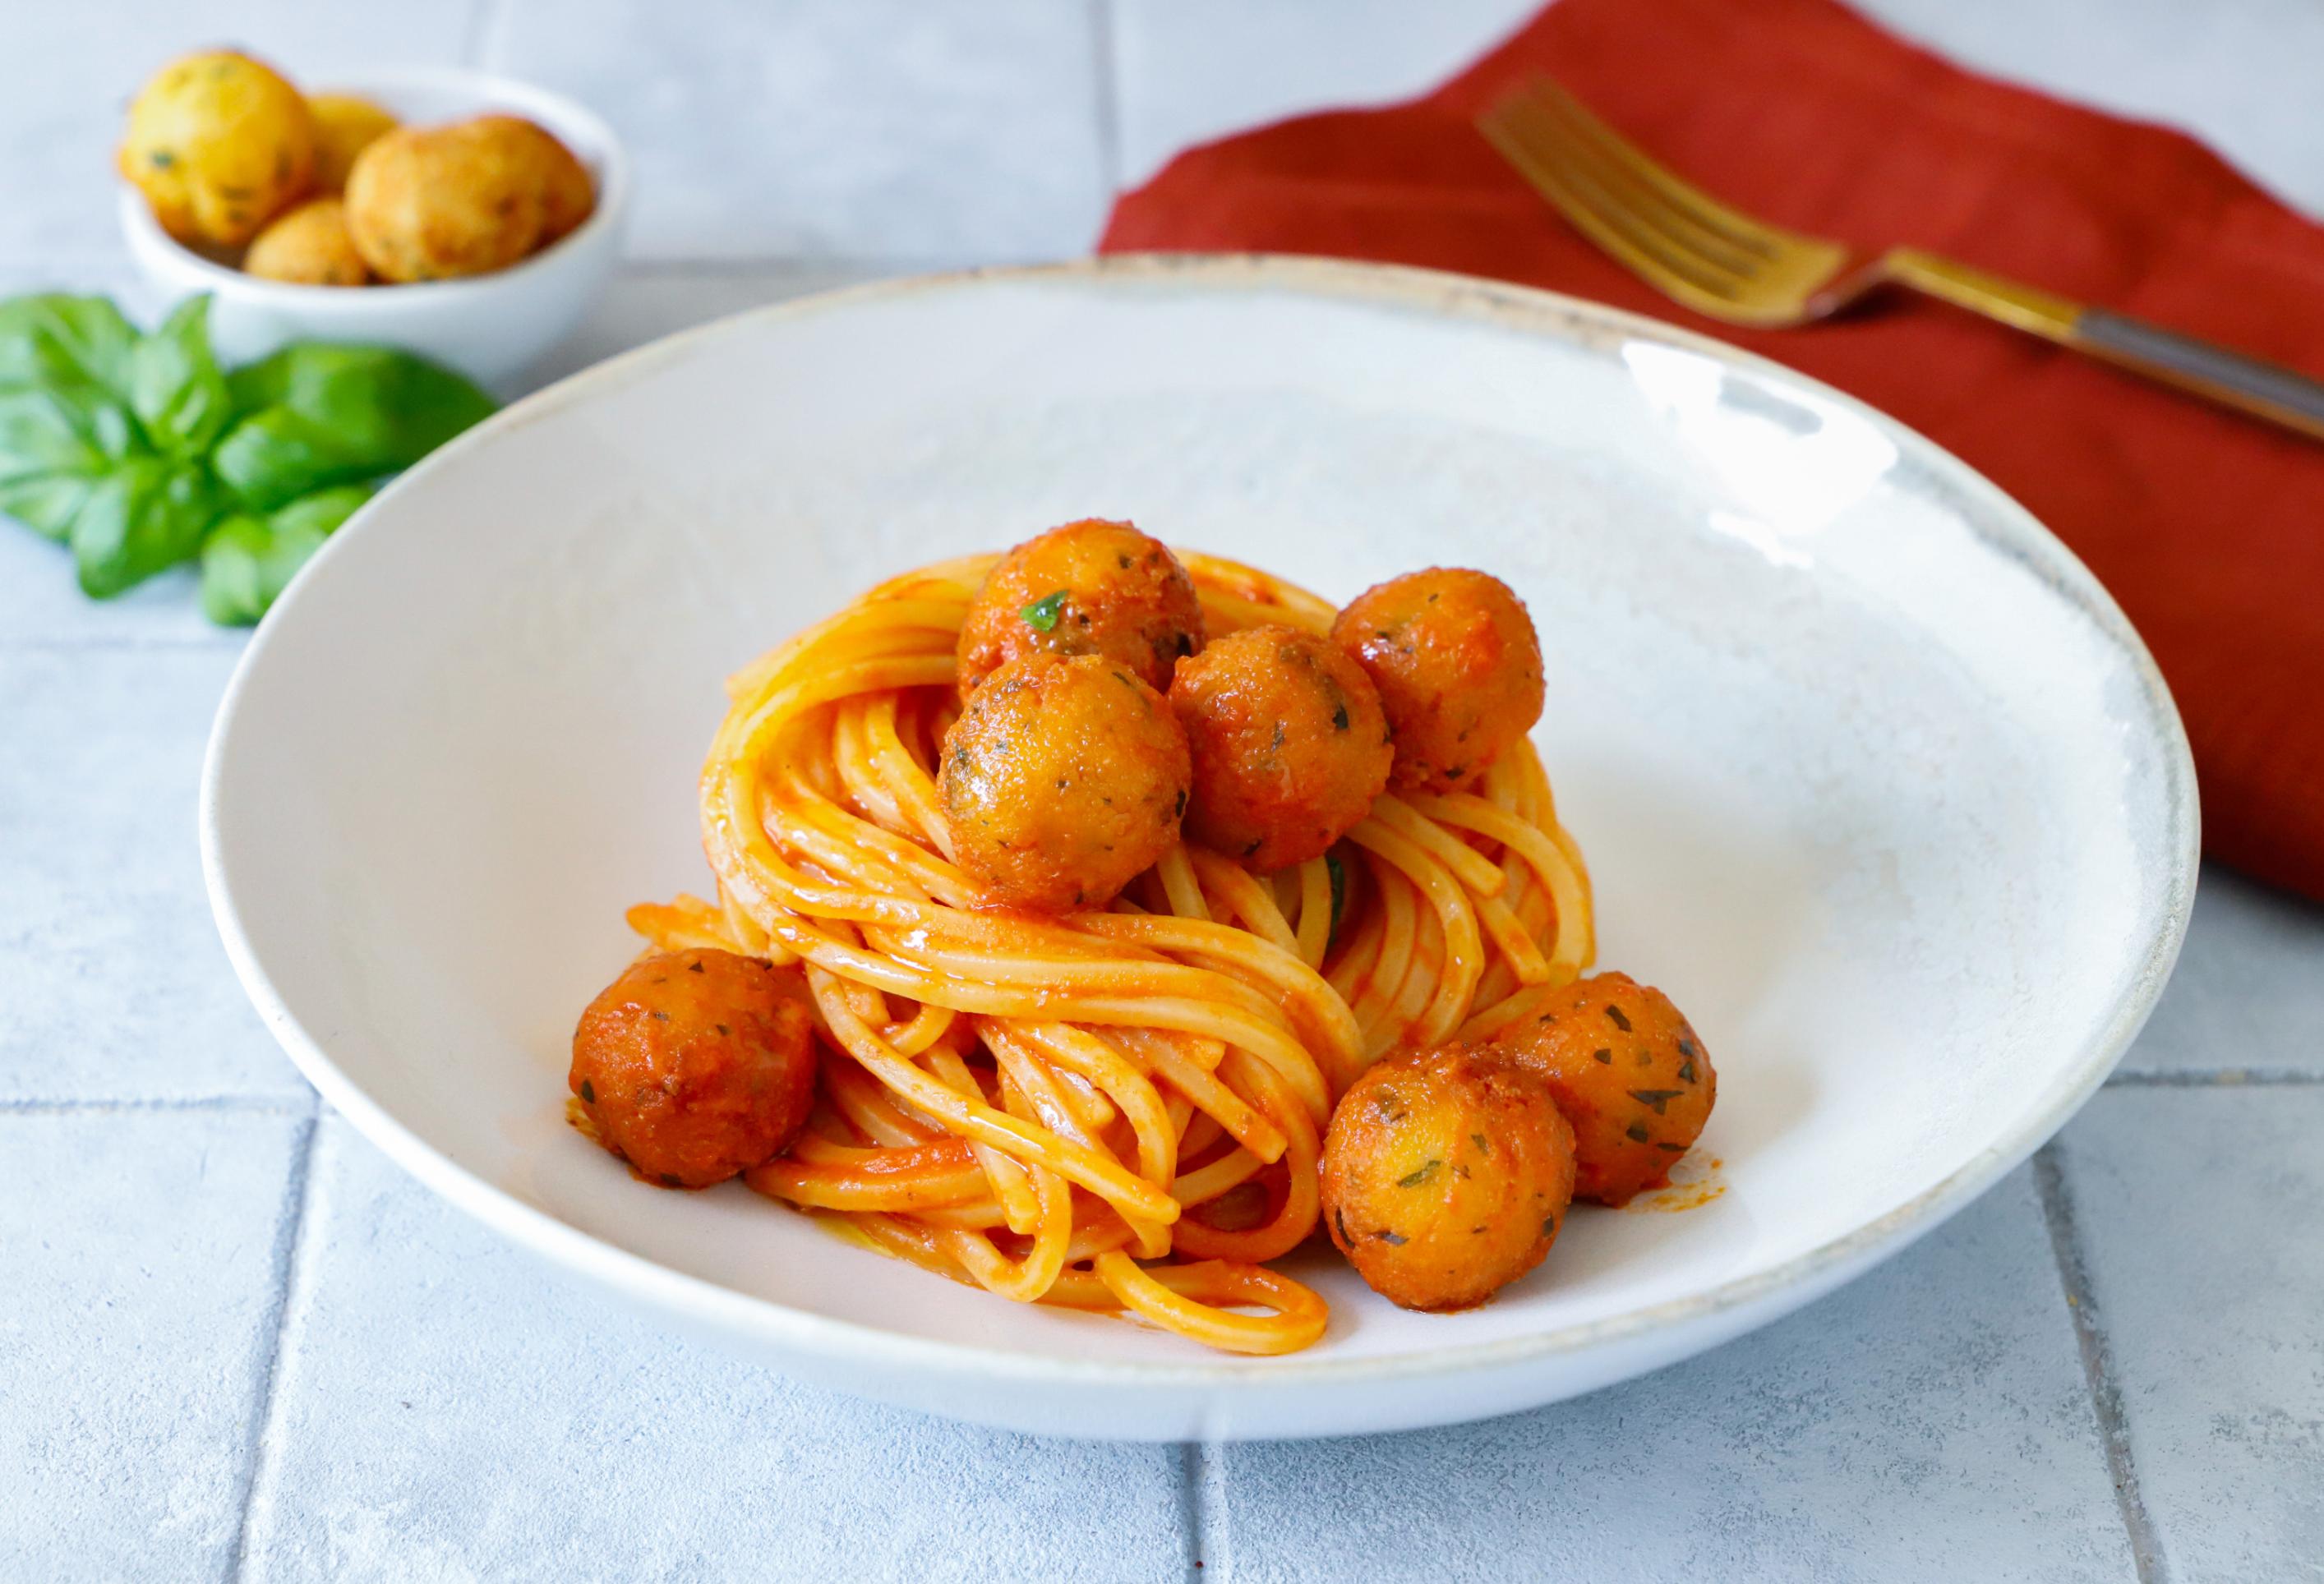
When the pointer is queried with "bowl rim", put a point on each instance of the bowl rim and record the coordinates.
(147, 240)
(1994, 517)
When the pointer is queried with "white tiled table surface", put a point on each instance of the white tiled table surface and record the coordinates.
(234, 1339)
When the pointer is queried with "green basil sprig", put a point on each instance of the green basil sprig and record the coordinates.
(139, 452)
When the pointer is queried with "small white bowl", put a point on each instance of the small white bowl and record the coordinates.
(488, 327)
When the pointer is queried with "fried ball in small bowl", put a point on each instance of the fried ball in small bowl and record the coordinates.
(308, 247)
(1458, 666)
(695, 1065)
(1062, 779)
(1629, 1072)
(437, 203)
(218, 143)
(1447, 1173)
(1091, 587)
(1289, 744)
(346, 125)
(566, 194)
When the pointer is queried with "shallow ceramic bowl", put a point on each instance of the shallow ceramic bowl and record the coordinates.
(488, 327)
(1871, 775)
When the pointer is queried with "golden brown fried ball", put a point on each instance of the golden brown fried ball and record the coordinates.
(1458, 666)
(346, 125)
(1629, 1073)
(310, 246)
(695, 1065)
(568, 194)
(1446, 1176)
(1061, 779)
(218, 143)
(437, 202)
(1088, 588)
(1290, 745)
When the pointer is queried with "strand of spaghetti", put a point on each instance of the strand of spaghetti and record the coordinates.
(984, 1124)
(910, 789)
(1084, 1056)
(1471, 868)
(1024, 1280)
(1307, 998)
(1464, 948)
(1019, 1058)
(1518, 948)
(1167, 1298)
(916, 1177)
(1315, 934)
(1243, 1122)
(851, 756)
(1208, 1180)
(870, 1110)
(1569, 896)
(928, 1025)
(1010, 1179)
(937, 616)
(1246, 899)
(1141, 1046)
(1373, 1001)
(1300, 1205)
(1180, 884)
(680, 924)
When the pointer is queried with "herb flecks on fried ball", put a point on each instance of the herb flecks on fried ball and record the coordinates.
(1289, 742)
(695, 1065)
(1458, 666)
(219, 143)
(1447, 1173)
(1062, 779)
(1091, 587)
(1629, 1072)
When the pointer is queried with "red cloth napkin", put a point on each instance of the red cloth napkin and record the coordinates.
(2208, 526)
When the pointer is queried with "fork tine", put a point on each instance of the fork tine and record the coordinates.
(1732, 226)
(1678, 271)
(1612, 187)
(1564, 132)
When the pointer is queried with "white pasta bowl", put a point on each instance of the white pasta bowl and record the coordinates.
(1872, 777)
(488, 327)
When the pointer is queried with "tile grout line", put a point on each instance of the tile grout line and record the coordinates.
(292, 1261)
(2098, 1362)
(252, 1104)
(1108, 87)
(1190, 1506)
(2216, 1078)
(1205, 1481)
(487, 22)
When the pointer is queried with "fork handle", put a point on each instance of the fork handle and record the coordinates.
(2265, 389)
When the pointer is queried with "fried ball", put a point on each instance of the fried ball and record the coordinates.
(310, 246)
(1290, 745)
(219, 143)
(1446, 1176)
(433, 203)
(568, 194)
(695, 1065)
(1629, 1072)
(1091, 587)
(1458, 666)
(346, 125)
(1061, 779)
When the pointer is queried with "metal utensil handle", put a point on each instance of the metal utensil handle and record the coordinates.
(2262, 388)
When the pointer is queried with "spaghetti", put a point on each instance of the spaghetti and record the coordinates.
(1114, 1111)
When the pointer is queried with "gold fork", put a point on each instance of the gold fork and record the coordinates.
(1726, 265)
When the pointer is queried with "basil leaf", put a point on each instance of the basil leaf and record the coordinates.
(1041, 615)
(146, 514)
(66, 342)
(55, 444)
(321, 415)
(175, 385)
(248, 561)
